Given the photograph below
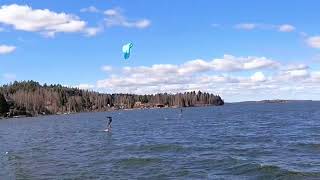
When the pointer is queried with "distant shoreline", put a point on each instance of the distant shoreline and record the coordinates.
(110, 110)
(275, 101)
(148, 108)
(30, 98)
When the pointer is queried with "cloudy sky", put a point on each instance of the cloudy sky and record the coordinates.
(241, 50)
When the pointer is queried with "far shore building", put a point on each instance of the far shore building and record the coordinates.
(140, 104)
(159, 105)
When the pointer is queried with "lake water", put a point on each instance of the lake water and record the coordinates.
(235, 141)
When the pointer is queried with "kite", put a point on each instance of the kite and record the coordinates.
(126, 49)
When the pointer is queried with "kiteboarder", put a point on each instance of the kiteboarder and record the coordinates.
(180, 115)
(109, 123)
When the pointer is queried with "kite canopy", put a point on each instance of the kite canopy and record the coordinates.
(126, 50)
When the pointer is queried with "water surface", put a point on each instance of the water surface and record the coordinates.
(236, 141)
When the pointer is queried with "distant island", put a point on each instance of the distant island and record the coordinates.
(277, 101)
(30, 98)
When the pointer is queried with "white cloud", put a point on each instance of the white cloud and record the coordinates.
(251, 26)
(23, 17)
(158, 68)
(107, 68)
(294, 74)
(315, 76)
(286, 28)
(91, 9)
(258, 77)
(302, 73)
(314, 41)
(5, 49)
(232, 63)
(295, 67)
(112, 12)
(218, 79)
(92, 31)
(85, 86)
(246, 26)
(142, 81)
(193, 66)
(140, 23)
(116, 18)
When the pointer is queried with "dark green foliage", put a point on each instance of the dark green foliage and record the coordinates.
(4, 107)
(29, 97)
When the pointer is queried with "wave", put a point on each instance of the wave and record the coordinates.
(138, 162)
(311, 145)
(157, 148)
(270, 172)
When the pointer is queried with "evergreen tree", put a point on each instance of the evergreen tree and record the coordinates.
(4, 107)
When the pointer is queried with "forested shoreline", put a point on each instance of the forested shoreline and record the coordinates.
(30, 98)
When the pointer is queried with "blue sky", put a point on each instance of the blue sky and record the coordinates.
(242, 50)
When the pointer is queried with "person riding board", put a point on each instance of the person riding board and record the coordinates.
(109, 123)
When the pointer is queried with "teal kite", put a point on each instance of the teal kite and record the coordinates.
(126, 49)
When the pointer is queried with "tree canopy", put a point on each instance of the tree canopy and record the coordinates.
(30, 97)
(4, 107)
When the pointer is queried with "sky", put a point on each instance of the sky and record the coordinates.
(241, 50)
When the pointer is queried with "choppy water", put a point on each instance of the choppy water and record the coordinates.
(236, 141)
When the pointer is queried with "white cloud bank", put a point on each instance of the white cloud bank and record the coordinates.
(23, 17)
(235, 78)
(49, 23)
(164, 74)
(228, 63)
(6, 49)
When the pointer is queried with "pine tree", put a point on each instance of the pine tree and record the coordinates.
(4, 107)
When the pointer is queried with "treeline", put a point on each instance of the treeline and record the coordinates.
(30, 98)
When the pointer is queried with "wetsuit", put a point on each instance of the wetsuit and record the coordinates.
(110, 121)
